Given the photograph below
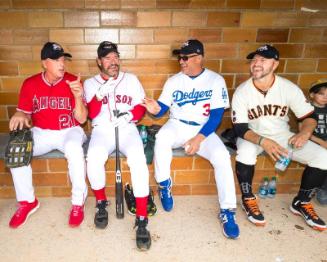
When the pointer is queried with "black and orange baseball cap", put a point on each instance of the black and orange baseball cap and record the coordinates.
(53, 50)
(266, 51)
(191, 46)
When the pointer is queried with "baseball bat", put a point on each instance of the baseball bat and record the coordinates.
(119, 184)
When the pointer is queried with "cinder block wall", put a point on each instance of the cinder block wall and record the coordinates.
(146, 32)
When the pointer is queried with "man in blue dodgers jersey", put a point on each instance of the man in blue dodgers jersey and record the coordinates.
(260, 117)
(197, 98)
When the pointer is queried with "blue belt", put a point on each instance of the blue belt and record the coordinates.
(192, 123)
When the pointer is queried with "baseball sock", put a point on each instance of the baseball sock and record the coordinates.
(100, 194)
(141, 204)
(312, 179)
(245, 175)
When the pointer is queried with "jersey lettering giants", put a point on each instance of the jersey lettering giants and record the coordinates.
(267, 110)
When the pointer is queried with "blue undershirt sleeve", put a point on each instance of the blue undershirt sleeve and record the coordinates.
(163, 110)
(213, 121)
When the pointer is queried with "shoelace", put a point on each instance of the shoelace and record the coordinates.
(165, 191)
(76, 210)
(102, 207)
(253, 206)
(228, 217)
(309, 209)
(20, 209)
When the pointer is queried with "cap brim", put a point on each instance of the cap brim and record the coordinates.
(67, 55)
(251, 55)
(176, 51)
(316, 88)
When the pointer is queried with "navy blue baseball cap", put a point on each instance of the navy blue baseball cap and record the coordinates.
(266, 51)
(106, 47)
(53, 50)
(191, 46)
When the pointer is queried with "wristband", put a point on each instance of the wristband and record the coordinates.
(260, 140)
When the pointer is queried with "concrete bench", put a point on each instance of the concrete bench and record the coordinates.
(192, 175)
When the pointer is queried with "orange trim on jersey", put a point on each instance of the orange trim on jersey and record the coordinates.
(261, 91)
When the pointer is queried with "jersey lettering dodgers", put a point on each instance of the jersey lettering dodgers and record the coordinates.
(267, 115)
(192, 99)
(126, 93)
(50, 106)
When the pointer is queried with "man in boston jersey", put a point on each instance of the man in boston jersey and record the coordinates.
(260, 117)
(109, 91)
(52, 102)
(197, 98)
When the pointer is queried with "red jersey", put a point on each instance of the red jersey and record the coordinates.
(50, 106)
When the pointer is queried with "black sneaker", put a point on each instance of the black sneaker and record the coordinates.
(151, 207)
(305, 209)
(251, 208)
(130, 199)
(131, 203)
(143, 237)
(101, 216)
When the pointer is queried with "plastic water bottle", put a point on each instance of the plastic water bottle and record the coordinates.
(283, 162)
(144, 135)
(272, 187)
(263, 189)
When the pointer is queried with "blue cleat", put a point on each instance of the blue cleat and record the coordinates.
(165, 195)
(227, 219)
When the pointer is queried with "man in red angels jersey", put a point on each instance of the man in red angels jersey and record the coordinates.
(106, 92)
(52, 102)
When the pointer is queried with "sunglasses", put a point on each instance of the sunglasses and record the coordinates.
(185, 57)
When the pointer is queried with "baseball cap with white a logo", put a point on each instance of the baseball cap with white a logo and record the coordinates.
(266, 51)
(191, 46)
(53, 50)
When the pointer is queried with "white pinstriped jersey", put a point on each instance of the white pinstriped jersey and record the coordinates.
(267, 115)
(192, 99)
(127, 92)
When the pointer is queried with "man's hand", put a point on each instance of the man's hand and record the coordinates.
(193, 145)
(122, 119)
(105, 89)
(76, 87)
(273, 149)
(151, 105)
(19, 120)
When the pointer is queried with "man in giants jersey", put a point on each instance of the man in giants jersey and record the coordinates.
(260, 116)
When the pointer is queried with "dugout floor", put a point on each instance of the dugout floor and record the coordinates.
(190, 232)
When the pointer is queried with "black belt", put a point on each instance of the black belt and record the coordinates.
(192, 123)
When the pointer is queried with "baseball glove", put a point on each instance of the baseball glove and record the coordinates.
(19, 150)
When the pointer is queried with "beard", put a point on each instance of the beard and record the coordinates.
(256, 75)
(111, 71)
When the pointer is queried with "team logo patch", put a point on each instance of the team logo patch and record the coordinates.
(181, 98)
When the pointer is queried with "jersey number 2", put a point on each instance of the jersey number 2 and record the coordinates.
(207, 109)
(65, 121)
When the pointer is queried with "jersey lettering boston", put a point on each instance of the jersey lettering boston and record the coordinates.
(267, 110)
(181, 98)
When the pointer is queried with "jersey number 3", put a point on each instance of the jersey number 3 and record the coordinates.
(206, 109)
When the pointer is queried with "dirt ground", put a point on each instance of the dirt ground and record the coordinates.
(191, 232)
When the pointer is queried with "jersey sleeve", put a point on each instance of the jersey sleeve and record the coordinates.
(25, 102)
(219, 97)
(299, 104)
(239, 108)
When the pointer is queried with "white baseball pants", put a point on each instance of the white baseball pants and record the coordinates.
(102, 144)
(173, 135)
(69, 141)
